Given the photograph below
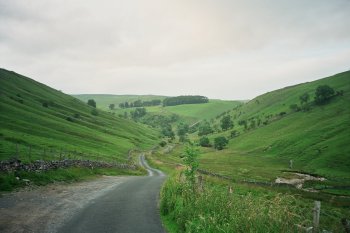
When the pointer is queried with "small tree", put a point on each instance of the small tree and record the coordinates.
(94, 112)
(192, 164)
(111, 106)
(294, 107)
(204, 128)
(234, 133)
(220, 142)
(304, 98)
(204, 141)
(182, 129)
(226, 122)
(92, 103)
(323, 93)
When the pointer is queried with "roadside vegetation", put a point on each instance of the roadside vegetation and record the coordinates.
(301, 129)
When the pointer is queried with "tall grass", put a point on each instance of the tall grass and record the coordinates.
(216, 210)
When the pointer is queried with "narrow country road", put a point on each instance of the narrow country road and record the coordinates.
(108, 204)
(131, 207)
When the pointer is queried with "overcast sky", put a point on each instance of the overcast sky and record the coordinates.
(224, 49)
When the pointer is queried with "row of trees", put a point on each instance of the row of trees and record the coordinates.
(139, 103)
(188, 99)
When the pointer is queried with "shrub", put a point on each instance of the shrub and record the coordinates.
(76, 115)
(282, 113)
(94, 112)
(69, 119)
(294, 107)
(323, 93)
(162, 143)
(234, 133)
(92, 103)
(46, 104)
(204, 141)
(220, 142)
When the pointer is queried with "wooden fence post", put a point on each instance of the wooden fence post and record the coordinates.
(316, 220)
(17, 151)
(30, 153)
(346, 225)
(200, 183)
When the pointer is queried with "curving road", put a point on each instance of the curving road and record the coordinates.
(130, 207)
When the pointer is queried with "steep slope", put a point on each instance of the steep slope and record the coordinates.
(316, 140)
(42, 121)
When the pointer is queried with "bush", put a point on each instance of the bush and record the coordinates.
(46, 104)
(220, 142)
(204, 142)
(323, 93)
(294, 107)
(76, 115)
(162, 143)
(94, 112)
(69, 119)
(234, 133)
(92, 103)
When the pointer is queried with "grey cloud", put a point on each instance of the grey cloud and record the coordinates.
(155, 46)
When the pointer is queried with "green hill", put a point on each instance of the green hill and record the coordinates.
(41, 121)
(317, 140)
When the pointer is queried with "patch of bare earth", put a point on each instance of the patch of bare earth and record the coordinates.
(44, 209)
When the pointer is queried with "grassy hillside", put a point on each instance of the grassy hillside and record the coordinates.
(103, 100)
(316, 140)
(196, 112)
(42, 121)
(188, 112)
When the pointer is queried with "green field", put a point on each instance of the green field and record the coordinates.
(43, 123)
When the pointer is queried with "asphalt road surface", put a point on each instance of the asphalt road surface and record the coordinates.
(130, 207)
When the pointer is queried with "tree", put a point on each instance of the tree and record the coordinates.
(234, 133)
(92, 103)
(204, 128)
(111, 106)
(304, 98)
(190, 159)
(204, 141)
(220, 142)
(244, 123)
(182, 129)
(121, 105)
(94, 112)
(294, 107)
(138, 113)
(167, 131)
(226, 123)
(323, 93)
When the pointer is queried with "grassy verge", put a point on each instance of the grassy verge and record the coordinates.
(245, 209)
(13, 180)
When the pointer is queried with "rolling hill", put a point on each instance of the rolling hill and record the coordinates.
(317, 139)
(42, 122)
(190, 113)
